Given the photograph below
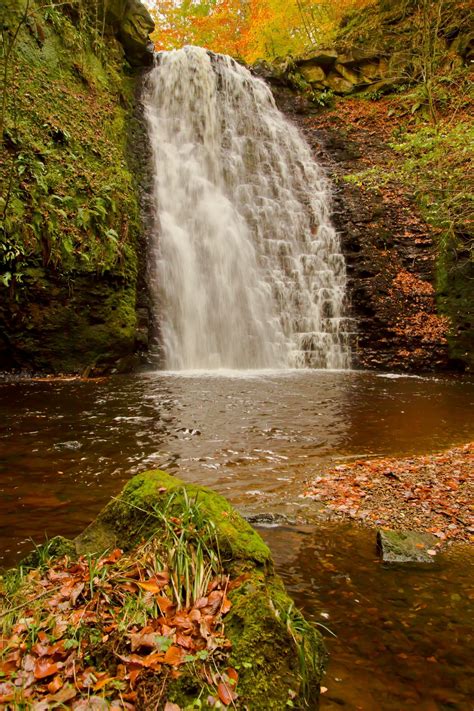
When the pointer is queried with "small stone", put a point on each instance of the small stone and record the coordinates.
(406, 547)
(72, 445)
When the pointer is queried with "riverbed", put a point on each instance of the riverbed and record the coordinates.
(404, 640)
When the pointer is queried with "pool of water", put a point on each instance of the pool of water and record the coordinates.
(404, 640)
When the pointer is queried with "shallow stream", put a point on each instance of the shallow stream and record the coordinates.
(404, 639)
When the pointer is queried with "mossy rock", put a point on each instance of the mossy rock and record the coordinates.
(338, 84)
(349, 74)
(134, 32)
(313, 74)
(278, 654)
(321, 58)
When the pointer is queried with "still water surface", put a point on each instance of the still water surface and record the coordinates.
(404, 640)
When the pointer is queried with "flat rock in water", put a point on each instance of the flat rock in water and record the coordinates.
(408, 547)
(72, 445)
(269, 520)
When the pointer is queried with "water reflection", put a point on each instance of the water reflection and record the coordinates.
(404, 637)
(67, 446)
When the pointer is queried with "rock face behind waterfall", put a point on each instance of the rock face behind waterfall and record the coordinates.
(247, 265)
(410, 268)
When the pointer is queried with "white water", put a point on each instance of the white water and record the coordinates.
(248, 270)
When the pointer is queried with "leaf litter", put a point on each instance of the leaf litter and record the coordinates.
(111, 632)
(431, 493)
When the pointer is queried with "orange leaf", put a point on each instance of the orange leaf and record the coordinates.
(148, 661)
(225, 693)
(164, 603)
(131, 696)
(58, 649)
(65, 694)
(150, 586)
(233, 674)
(103, 682)
(112, 558)
(226, 605)
(44, 668)
(55, 685)
(147, 640)
(185, 641)
(8, 667)
(133, 675)
(173, 656)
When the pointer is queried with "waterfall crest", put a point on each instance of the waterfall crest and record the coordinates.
(248, 271)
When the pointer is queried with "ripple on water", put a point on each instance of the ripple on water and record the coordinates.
(403, 639)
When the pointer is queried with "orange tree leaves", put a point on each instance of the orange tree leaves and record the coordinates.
(250, 29)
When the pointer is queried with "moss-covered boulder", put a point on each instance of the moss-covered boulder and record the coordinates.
(278, 655)
(313, 73)
(132, 24)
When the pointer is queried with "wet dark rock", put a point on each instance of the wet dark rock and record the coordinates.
(406, 547)
(134, 32)
(381, 240)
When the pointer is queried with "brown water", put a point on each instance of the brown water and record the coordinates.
(404, 639)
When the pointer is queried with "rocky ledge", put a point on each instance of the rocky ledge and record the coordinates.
(132, 24)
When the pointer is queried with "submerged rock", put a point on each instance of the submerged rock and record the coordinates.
(71, 445)
(406, 547)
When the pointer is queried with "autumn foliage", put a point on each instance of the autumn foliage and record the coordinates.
(109, 632)
(250, 29)
(430, 493)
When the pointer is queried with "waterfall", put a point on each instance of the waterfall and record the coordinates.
(247, 268)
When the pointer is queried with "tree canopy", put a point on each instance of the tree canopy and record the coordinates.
(250, 29)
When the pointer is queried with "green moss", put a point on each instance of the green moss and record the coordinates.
(279, 656)
(71, 221)
(125, 517)
(57, 547)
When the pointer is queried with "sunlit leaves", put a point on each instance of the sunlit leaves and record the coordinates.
(250, 29)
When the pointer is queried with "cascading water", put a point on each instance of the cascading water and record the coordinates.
(249, 271)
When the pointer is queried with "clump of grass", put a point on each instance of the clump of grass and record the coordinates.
(105, 625)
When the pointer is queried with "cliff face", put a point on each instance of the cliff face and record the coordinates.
(387, 112)
(71, 234)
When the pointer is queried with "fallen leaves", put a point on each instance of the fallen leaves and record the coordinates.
(432, 493)
(44, 668)
(119, 608)
(226, 693)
